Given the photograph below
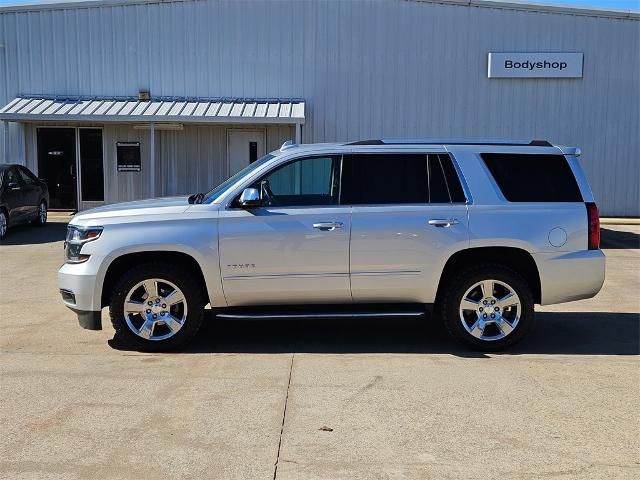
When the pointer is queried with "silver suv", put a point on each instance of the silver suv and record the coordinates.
(477, 232)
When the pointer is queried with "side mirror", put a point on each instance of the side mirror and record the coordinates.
(250, 198)
(13, 186)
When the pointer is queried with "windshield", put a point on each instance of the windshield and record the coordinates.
(214, 194)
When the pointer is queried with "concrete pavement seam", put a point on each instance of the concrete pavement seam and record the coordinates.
(284, 414)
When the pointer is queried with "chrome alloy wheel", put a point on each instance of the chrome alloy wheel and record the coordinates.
(3, 224)
(155, 309)
(42, 213)
(490, 310)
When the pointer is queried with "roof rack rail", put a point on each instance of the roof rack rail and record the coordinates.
(288, 144)
(532, 143)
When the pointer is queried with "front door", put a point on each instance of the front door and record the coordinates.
(244, 147)
(294, 248)
(57, 165)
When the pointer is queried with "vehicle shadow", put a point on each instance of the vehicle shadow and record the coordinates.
(583, 333)
(33, 235)
(616, 239)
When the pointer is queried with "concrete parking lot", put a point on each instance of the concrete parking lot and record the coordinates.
(361, 399)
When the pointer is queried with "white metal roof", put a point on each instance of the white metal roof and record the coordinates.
(128, 110)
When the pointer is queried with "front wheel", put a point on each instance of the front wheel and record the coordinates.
(155, 307)
(41, 219)
(488, 308)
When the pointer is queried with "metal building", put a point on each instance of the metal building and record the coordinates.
(112, 100)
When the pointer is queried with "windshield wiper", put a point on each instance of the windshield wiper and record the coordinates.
(196, 198)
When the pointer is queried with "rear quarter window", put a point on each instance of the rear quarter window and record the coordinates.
(533, 177)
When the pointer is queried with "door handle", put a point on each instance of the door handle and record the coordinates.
(328, 226)
(443, 222)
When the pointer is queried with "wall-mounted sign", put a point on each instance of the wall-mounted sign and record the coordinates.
(535, 65)
(128, 154)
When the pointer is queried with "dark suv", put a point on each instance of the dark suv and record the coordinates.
(23, 197)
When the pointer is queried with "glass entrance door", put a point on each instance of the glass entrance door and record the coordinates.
(57, 165)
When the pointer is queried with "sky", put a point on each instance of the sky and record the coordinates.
(613, 4)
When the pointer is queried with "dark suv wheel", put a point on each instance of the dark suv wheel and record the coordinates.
(157, 307)
(41, 218)
(488, 307)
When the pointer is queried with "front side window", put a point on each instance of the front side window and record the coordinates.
(305, 182)
(26, 178)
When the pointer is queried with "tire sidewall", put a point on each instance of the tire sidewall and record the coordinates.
(39, 222)
(460, 285)
(195, 305)
(6, 220)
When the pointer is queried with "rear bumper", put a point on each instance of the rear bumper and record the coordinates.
(566, 277)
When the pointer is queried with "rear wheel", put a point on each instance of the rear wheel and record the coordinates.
(155, 307)
(488, 308)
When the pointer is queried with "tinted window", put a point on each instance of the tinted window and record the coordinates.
(11, 176)
(453, 181)
(305, 182)
(385, 178)
(438, 190)
(533, 178)
(25, 176)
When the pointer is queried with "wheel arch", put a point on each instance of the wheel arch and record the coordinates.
(124, 262)
(515, 258)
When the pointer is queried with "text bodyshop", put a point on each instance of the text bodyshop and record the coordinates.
(528, 65)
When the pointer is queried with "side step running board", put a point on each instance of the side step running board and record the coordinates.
(266, 316)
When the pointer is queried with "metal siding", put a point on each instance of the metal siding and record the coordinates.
(383, 68)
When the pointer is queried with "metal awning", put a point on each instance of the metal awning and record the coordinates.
(128, 110)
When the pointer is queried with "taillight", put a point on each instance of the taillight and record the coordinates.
(593, 220)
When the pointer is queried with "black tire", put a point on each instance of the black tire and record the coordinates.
(457, 286)
(39, 220)
(4, 220)
(194, 294)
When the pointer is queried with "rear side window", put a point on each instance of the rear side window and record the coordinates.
(533, 178)
(395, 178)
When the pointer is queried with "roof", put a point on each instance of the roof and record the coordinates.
(128, 110)
(527, 5)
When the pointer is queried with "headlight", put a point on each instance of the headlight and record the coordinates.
(76, 237)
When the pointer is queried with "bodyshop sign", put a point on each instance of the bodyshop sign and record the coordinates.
(535, 65)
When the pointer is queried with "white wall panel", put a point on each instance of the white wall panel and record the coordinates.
(380, 68)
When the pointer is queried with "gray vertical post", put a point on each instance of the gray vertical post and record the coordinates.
(5, 139)
(152, 161)
(298, 133)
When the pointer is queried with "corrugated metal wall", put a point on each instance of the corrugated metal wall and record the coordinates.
(386, 68)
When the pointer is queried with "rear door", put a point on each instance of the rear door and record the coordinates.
(409, 215)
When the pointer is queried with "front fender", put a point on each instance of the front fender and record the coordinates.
(196, 237)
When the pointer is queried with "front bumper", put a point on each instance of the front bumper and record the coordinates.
(89, 320)
(78, 284)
